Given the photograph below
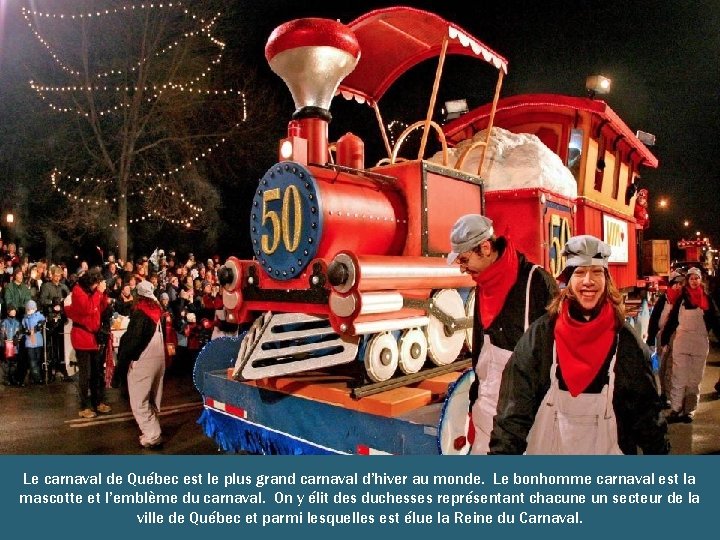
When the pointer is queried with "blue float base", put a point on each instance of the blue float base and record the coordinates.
(244, 418)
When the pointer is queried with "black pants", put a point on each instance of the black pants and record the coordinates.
(35, 360)
(21, 365)
(56, 354)
(8, 367)
(91, 377)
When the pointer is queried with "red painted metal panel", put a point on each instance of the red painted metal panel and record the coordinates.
(408, 181)
(431, 212)
(517, 214)
(589, 220)
(447, 200)
(537, 222)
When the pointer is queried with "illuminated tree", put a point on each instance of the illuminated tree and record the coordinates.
(140, 88)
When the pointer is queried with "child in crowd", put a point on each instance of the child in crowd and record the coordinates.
(32, 324)
(9, 332)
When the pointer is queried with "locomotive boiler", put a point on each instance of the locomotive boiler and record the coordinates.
(349, 261)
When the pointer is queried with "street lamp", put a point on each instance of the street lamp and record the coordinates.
(686, 223)
(663, 203)
(597, 85)
(10, 221)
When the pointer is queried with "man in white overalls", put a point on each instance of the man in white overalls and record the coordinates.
(141, 358)
(511, 292)
(580, 380)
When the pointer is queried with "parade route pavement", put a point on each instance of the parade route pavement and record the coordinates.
(43, 420)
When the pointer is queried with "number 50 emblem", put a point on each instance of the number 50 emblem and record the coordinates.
(287, 225)
(286, 220)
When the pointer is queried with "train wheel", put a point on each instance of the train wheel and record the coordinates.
(413, 351)
(470, 314)
(381, 357)
(444, 344)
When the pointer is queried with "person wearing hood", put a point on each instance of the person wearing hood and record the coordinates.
(580, 381)
(10, 334)
(84, 307)
(690, 319)
(658, 318)
(141, 361)
(511, 293)
(32, 328)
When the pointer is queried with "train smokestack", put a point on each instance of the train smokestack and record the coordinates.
(313, 56)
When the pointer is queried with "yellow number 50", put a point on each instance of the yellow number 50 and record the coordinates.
(286, 228)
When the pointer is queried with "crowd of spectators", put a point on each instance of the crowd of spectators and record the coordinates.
(187, 289)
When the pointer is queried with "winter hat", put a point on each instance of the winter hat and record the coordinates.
(145, 289)
(675, 276)
(30, 305)
(165, 296)
(467, 233)
(586, 250)
(694, 271)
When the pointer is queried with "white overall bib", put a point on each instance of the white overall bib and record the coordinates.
(690, 349)
(489, 369)
(145, 383)
(582, 425)
(664, 353)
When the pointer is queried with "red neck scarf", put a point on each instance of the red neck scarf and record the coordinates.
(583, 346)
(149, 308)
(495, 283)
(672, 295)
(698, 298)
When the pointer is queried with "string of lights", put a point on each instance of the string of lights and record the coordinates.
(71, 187)
(205, 30)
(90, 14)
(57, 175)
(158, 91)
(391, 126)
(189, 163)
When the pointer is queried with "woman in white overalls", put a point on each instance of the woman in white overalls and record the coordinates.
(690, 319)
(580, 380)
(658, 319)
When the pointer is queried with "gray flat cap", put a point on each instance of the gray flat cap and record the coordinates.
(467, 233)
(586, 250)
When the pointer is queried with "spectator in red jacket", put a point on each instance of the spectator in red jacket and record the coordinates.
(84, 307)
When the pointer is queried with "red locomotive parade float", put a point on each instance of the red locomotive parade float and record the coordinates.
(354, 324)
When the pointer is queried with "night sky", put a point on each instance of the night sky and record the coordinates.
(662, 56)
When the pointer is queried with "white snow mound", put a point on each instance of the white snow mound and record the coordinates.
(514, 161)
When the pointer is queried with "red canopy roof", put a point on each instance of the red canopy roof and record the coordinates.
(393, 40)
